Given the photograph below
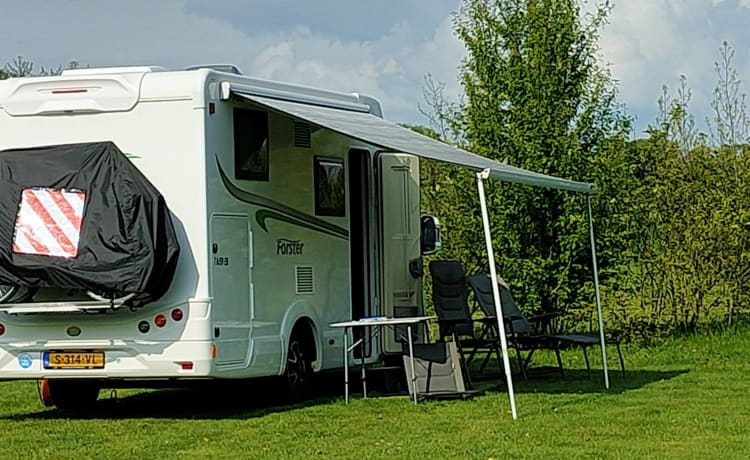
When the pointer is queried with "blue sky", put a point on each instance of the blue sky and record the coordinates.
(381, 48)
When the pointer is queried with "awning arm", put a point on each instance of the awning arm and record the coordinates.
(481, 177)
(602, 339)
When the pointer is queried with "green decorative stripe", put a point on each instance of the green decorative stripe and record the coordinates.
(279, 211)
(262, 214)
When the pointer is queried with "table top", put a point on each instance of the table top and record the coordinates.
(383, 321)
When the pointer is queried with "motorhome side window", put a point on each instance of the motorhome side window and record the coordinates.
(329, 187)
(250, 144)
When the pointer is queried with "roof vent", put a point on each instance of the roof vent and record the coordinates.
(226, 68)
(302, 134)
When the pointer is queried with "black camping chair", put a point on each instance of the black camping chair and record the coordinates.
(536, 332)
(522, 334)
(449, 295)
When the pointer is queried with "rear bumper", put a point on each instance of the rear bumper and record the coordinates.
(128, 360)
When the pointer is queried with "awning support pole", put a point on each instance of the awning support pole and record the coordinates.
(481, 176)
(602, 339)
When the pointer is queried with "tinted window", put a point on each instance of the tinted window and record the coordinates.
(250, 144)
(330, 185)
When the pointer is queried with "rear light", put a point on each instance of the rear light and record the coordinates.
(211, 108)
(177, 314)
(187, 366)
(213, 350)
(2, 328)
(160, 320)
(70, 91)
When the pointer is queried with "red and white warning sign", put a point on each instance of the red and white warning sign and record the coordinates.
(49, 222)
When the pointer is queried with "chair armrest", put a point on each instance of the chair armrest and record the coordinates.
(544, 322)
(544, 316)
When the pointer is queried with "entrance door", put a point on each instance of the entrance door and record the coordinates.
(231, 287)
(361, 242)
(399, 230)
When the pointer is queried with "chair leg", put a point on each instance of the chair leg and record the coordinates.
(622, 362)
(464, 366)
(586, 358)
(528, 358)
(485, 361)
(521, 366)
(559, 359)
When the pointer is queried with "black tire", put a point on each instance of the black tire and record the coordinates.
(73, 394)
(10, 293)
(7, 292)
(298, 373)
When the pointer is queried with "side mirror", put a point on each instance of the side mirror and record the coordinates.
(430, 238)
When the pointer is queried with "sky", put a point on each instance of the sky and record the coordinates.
(381, 48)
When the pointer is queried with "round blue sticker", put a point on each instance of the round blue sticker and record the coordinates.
(24, 360)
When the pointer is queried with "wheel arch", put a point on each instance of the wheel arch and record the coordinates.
(300, 319)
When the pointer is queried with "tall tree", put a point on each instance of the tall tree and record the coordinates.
(537, 98)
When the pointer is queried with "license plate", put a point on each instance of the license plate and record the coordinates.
(73, 359)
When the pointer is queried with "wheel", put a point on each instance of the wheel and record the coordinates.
(298, 373)
(69, 394)
(44, 396)
(10, 293)
(7, 291)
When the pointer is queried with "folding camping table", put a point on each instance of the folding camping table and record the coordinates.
(378, 323)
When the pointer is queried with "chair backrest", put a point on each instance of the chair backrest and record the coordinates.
(481, 285)
(449, 297)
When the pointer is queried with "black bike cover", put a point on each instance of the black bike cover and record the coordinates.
(82, 216)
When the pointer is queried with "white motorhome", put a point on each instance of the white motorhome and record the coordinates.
(293, 207)
(284, 227)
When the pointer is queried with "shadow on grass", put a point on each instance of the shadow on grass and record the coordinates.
(549, 380)
(239, 399)
(257, 398)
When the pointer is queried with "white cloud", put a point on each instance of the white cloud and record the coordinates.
(650, 43)
(383, 49)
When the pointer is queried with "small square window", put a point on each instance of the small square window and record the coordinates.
(250, 144)
(330, 186)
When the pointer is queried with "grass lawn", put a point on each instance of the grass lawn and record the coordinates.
(689, 398)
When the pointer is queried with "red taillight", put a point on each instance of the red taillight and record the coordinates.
(187, 366)
(177, 314)
(2, 328)
(211, 108)
(160, 320)
(70, 91)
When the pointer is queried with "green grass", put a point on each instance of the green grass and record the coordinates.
(689, 398)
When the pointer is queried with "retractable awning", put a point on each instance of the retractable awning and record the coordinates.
(354, 120)
(390, 136)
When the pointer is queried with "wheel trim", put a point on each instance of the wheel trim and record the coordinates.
(296, 368)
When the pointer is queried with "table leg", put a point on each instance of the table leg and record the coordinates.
(411, 360)
(346, 366)
(362, 363)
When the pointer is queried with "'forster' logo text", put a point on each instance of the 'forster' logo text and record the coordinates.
(286, 247)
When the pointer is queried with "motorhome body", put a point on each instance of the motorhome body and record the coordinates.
(284, 227)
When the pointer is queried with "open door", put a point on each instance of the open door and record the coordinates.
(362, 244)
(399, 229)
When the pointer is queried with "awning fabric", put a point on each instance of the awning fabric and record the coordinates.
(390, 136)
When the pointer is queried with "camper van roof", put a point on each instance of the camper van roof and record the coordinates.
(110, 70)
